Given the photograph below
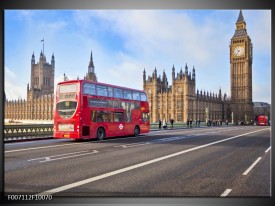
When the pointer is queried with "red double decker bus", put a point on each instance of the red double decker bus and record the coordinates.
(262, 120)
(86, 109)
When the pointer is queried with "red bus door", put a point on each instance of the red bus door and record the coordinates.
(117, 127)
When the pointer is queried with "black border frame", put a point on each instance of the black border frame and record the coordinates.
(132, 4)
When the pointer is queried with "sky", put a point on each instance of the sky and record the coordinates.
(125, 42)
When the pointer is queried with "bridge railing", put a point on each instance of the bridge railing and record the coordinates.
(21, 130)
(28, 130)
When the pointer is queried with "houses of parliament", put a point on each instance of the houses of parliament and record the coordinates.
(40, 92)
(180, 101)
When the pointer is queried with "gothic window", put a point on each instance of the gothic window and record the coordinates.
(179, 117)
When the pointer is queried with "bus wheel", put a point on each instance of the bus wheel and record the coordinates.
(100, 133)
(136, 131)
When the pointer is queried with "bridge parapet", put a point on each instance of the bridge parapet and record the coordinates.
(28, 130)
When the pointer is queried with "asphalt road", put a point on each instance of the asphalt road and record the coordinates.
(200, 162)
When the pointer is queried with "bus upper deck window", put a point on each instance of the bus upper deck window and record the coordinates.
(136, 96)
(143, 96)
(117, 93)
(89, 88)
(110, 91)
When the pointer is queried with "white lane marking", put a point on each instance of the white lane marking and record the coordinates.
(60, 158)
(59, 155)
(153, 141)
(89, 180)
(47, 159)
(250, 168)
(12, 144)
(226, 192)
(266, 151)
(35, 148)
(133, 145)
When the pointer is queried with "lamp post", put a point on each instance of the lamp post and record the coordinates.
(206, 115)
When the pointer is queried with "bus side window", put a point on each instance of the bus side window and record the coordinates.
(118, 117)
(99, 116)
(93, 116)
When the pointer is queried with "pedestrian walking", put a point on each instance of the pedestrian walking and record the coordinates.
(187, 122)
(164, 123)
(159, 124)
(172, 122)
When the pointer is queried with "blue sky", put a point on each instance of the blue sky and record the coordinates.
(124, 42)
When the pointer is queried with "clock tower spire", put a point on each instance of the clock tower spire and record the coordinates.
(241, 72)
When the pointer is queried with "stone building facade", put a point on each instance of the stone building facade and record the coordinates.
(241, 72)
(181, 100)
(40, 93)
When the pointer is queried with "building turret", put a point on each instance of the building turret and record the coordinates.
(193, 73)
(33, 59)
(181, 73)
(144, 79)
(186, 70)
(173, 74)
(91, 70)
(41, 57)
(91, 67)
(53, 61)
(155, 73)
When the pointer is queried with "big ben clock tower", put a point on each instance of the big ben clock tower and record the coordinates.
(241, 73)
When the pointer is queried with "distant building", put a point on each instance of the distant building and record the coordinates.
(181, 101)
(91, 70)
(261, 108)
(40, 93)
(241, 55)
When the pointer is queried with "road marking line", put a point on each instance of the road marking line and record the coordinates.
(250, 168)
(60, 158)
(35, 148)
(226, 192)
(92, 179)
(59, 155)
(133, 145)
(169, 139)
(266, 151)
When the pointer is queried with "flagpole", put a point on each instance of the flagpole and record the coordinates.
(43, 46)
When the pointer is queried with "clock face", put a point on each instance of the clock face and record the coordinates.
(238, 51)
(149, 91)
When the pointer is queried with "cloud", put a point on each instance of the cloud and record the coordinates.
(12, 89)
(259, 28)
(9, 73)
(124, 42)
